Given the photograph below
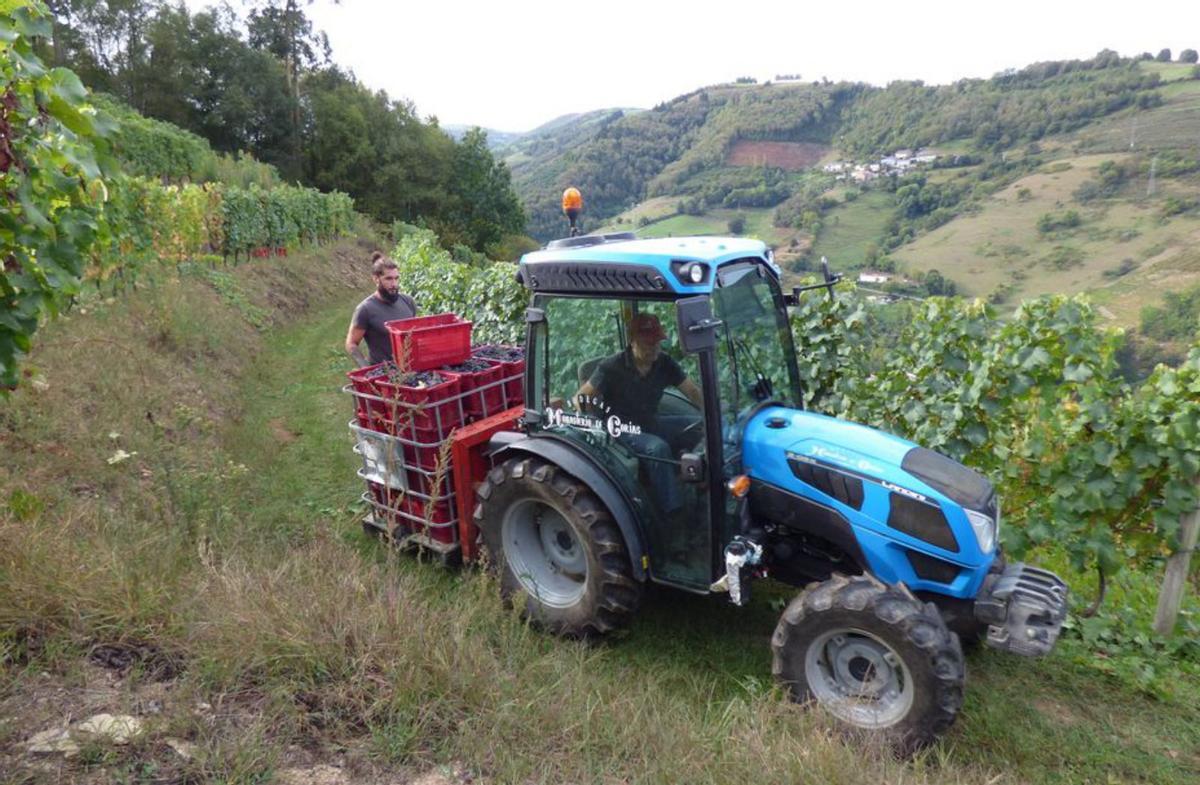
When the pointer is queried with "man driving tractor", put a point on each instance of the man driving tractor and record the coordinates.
(630, 385)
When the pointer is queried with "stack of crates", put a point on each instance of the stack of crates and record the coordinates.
(406, 412)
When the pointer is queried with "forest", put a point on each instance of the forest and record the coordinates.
(264, 86)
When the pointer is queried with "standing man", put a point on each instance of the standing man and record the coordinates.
(385, 304)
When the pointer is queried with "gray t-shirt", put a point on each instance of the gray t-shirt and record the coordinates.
(371, 314)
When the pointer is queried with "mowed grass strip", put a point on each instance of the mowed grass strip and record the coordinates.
(229, 543)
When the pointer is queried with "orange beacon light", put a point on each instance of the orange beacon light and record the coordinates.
(572, 206)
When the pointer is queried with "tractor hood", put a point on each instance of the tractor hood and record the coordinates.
(779, 440)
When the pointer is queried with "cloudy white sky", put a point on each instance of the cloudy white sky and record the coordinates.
(512, 66)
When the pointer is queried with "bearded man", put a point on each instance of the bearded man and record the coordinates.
(385, 304)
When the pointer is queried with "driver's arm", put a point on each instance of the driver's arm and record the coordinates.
(689, 388)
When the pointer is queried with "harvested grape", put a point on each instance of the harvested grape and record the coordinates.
(508, 354)
(472, 365)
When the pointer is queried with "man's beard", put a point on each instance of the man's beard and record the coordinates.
(389, 296)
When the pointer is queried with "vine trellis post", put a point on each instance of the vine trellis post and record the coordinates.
(1175, 580)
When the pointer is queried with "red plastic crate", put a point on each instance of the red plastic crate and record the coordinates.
(514, 390)
(412, 514)
(393, 501)
(433, 407)
(486, 401)
(364, 380)
(437, 519)
(423, 343)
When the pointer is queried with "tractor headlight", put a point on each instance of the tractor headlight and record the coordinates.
(985, 530)
(695, 272)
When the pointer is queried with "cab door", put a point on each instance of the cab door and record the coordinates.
(647, 459)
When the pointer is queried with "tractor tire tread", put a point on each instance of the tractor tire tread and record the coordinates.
(919, 624)
(613, 595)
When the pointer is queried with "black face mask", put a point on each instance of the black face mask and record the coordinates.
(388, 297)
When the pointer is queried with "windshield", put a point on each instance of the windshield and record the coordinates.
(756, 360)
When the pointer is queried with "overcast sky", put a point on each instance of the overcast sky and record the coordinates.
(512, 66)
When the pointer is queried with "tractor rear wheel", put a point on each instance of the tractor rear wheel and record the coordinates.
(876, 658)
(558, 552)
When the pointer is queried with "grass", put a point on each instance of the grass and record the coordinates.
(849, 230)
(1168, 72)
(227, 545)
(1170, 126)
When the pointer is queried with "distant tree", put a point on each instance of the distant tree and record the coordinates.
(484, 208)
(1188, 56)
(871, 254)
(281, 28)
(737, 224)
(1164, 56)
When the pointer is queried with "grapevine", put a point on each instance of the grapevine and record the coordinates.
(50, 153)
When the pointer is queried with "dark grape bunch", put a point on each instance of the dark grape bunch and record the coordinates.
(472, 365)
(415, 379)
(508, 354)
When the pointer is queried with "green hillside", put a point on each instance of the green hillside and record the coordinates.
(1135, 235)
(1064, 176)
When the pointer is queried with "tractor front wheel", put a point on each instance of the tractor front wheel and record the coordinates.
(559, 554)
(874, 657)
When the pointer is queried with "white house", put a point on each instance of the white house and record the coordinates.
(869, 277)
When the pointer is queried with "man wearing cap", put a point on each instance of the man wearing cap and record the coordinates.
(630, 385)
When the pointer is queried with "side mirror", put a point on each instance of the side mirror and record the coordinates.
(830, 280)
(697, 327)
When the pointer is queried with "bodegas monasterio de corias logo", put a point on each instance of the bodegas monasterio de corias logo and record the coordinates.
(607, 422)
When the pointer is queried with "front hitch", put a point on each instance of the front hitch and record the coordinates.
(1024, 608)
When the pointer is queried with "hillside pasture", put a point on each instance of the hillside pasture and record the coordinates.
(849, 229)
(1168, 72)
(655, 209)
(1000, 249)
(665, 221)
(792, 156)
(758, 225)
(1173, 126)
(223, 552)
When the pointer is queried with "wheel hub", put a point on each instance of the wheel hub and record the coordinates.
(859, 678)
(543, 553)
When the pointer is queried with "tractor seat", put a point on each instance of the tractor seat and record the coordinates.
(587, 368)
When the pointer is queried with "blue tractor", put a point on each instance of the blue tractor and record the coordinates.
(664, 440)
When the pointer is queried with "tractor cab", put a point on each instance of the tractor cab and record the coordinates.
(647, 356)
